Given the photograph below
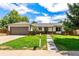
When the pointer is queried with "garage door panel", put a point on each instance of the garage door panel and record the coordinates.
(19, 30)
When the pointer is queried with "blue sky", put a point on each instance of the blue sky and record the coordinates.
(40, 12)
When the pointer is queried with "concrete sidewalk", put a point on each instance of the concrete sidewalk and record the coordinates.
(28, 53)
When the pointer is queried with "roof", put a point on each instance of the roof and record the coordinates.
(19, 24)
(47, 24)
(36, 24)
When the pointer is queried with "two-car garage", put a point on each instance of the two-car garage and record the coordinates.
(18, 30)
(21, 28)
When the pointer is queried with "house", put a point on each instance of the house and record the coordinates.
(49, 27)
(22, 28)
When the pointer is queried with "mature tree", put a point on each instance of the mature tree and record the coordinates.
(68, 26)
(24, 18)
(12, 17)
(60, 21)
(34, 22)
(0, 23)
(72, 21)
(3, 23)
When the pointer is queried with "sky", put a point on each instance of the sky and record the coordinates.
(40, 12)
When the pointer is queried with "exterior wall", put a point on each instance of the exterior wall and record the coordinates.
(42, 28)
(62, 29)
(54, 29)
(8, 28)
(50, 29)
(31, 29)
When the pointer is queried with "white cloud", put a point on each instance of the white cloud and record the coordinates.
(55, 7)
(59, 17)
(7, 6)
(45, 14)
(49, 19)
(43, 19)
(22, 9)
(36, 1)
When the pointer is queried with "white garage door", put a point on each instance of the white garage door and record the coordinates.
(18, 30)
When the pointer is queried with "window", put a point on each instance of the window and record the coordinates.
(58, 28)
(40, 28)
(46, 29)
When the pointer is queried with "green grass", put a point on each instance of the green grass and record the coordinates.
(66, 42)
(27, 42)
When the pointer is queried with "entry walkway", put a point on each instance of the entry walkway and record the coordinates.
(50, 43)
(51, 46)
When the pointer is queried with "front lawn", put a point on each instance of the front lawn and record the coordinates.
(66, 42)
(27, 42)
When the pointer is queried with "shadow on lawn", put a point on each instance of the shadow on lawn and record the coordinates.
(67, 44)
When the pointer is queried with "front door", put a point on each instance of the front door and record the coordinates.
(46, 29)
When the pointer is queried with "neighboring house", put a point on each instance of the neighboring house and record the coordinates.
(24, 27)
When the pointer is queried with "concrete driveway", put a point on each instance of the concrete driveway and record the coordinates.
(7, 38)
